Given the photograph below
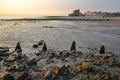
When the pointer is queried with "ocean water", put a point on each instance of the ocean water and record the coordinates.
(86, 34)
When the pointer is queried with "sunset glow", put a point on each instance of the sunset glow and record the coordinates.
(53, 7)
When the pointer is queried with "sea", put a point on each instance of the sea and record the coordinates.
(59, 32)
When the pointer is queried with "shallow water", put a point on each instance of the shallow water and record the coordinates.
(85, 33)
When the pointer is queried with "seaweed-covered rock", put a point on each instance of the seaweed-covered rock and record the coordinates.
(4, 49)
(32, 62)
(48, 74)
(23, 76)
(11, 58)
(90, 55)
(11, 69)
(87, 66)
(21, 67)
(8, 77)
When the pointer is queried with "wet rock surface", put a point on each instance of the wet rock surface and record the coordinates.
(49, 64)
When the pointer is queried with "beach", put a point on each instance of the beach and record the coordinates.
(58, 35)
(53, 59)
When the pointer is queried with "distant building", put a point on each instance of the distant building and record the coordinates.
(115, 14)
(89, 13)
(98, 14)
(76, 13)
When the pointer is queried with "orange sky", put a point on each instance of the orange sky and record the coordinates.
(29, 8)
(54, 7)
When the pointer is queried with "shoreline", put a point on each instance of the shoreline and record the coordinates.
(64, 18)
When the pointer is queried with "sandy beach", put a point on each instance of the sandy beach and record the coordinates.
(58, 36)
(62, 33)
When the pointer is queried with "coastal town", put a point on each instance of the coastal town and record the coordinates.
(77, 12)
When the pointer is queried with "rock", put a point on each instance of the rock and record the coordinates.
(18, 48)
(38, 54)
(64, 71)
(87, 66)
(11, 69)
(118, 70)
(44, 49)
(4, 49)
(41, 42)
(48, 27)
(8, 77)
(97, 76)
(35, 46)
(32, 62)
(90, 55)
(2, 74)
(21, 67)
(73, 46)
(1, 58)
(11, 58)
(98, 63)
(4, 54)
(102, 49)
(23, 76)
(48, 74)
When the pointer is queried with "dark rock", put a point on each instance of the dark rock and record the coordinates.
(13, 69)
(4, 49)
(11, 58)
(37, 54)
(73, 46)
(102, 49)
(21, 67)
(48, 27)
(4, 54)
(35, 46)
(48, 75)
(40, 42)
(44, 49)
(8, 77)
(1, 59)
(32, 62)
(24, 76)
(18, 48)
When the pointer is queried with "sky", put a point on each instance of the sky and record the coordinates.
(55, 7)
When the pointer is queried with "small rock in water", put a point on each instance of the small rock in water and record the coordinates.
(102, 49)
(35, 46)
(44, 49)
(18, 48)
(40, 42)
(73, 46)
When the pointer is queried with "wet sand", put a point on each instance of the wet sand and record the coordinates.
(58, 36)
(62, 33)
